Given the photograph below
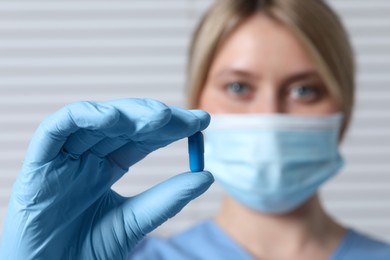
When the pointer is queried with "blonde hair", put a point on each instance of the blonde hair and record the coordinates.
(314, 24)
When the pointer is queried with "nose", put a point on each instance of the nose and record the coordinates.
(267, 101)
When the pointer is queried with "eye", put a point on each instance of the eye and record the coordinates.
(238, 89)
(305, 93)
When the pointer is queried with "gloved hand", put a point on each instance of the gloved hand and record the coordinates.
(62, 206)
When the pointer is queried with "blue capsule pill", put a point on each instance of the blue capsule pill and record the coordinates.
(196, 151)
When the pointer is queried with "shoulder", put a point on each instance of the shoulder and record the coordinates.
(203, 241)
(356, 246)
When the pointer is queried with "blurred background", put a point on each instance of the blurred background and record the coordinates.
(56, 52)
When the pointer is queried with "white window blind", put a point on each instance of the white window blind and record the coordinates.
(56, 52)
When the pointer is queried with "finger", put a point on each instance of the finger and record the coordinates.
(136, 116)
(183, 123)
(203, 116)
(107, 145)
(155, 206)
(112, 119)
(145, 115)
(53, 132)
(137, 216)
(82, 140)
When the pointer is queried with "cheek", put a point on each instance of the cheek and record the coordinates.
(212, 101)
(208, 101)
(325, 107)
(328, 108)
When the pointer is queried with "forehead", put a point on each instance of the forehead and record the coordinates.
(261, 43)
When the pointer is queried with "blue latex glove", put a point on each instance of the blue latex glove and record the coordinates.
(62, 206)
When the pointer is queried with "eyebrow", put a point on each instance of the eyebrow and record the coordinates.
(301, 76)
(237, 72)
(309, 74)
(293, 77)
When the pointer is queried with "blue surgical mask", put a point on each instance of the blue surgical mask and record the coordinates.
(272, 163)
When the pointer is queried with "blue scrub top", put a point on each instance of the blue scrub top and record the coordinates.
(207, 241)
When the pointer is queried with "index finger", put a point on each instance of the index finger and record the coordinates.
(183, 123)
(54, 131)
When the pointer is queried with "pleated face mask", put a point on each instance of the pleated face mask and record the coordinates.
(272, 163)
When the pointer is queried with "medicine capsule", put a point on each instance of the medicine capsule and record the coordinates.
(196, 151)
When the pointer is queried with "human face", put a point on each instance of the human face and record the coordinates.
(263, 68)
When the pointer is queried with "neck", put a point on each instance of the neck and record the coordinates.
(306, 232)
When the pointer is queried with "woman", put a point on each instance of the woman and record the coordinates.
(285, 57)
(251, 61)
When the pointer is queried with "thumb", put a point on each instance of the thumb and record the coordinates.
(155, 206)
(120, 231)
